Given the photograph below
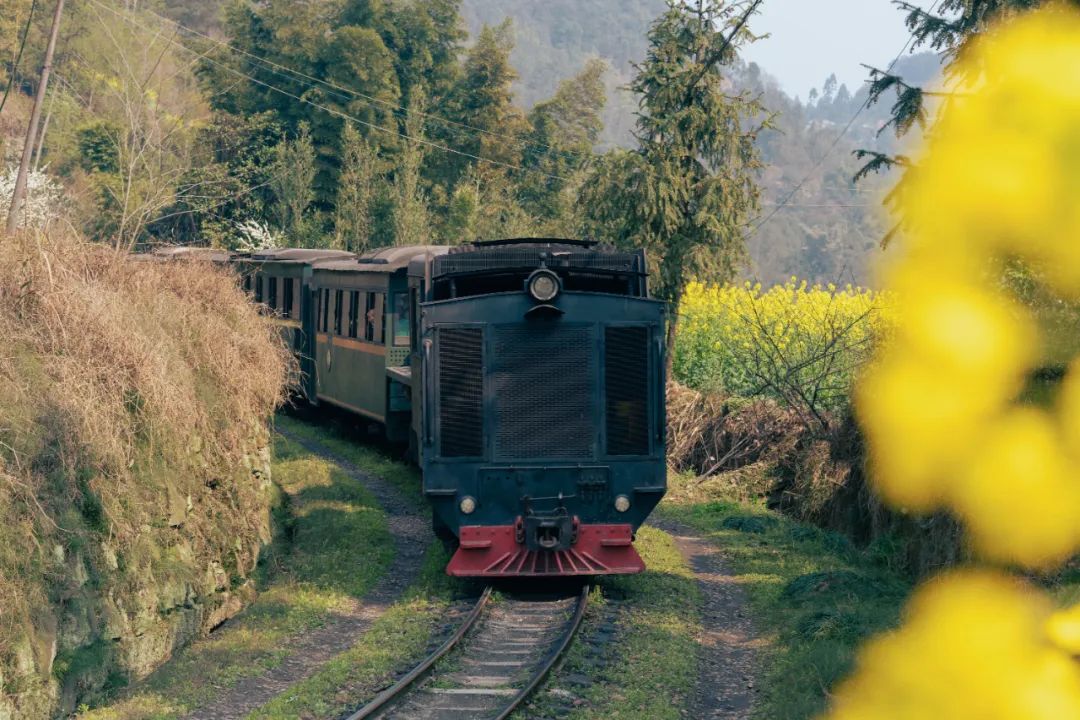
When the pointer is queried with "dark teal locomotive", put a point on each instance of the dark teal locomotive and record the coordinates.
(539, 405)
(527, 377)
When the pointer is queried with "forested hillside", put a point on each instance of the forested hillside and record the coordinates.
(830, 228)
(294, 133)
(353, 124)
(553, 39)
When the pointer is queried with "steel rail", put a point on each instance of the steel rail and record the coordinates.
(395, 691)
(552, 659)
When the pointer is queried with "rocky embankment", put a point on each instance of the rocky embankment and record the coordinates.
(134, 464)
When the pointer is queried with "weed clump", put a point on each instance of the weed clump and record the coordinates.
(133, 461)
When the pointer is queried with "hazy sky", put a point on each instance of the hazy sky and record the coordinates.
(813, 38)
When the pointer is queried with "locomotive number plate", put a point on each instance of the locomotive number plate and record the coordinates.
(593, 484)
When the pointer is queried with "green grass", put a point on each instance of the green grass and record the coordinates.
(332, 546)
(812, 594)
(650, 669)
(396, 641)
(336, 439)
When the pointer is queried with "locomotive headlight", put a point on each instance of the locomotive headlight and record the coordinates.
(622, 503)
(468, 505)
(544, 285)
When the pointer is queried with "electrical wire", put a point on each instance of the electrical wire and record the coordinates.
(334, 111)
(293, 75)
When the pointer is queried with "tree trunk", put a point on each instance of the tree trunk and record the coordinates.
(672, 328)
(670, 354)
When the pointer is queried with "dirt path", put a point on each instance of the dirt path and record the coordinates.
(726, 687)
(411, 533)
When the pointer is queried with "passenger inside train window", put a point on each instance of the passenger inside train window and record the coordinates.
(369, 318)
(379, 313)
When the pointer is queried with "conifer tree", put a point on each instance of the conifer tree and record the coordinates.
(948, 29)
(688, 192)
(483, 100)
(462, 212)
(354, 58)
(425, 37)
(560, 146)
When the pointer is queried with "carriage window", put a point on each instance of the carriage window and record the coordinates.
(369, 317)
(354, 313)
(401, 320)
(271, 293)
(247, 284)
(339, 299)
(324, 310)
(287, 297)
(379, 315)
(258, 289)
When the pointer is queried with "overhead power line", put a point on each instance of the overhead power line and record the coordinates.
(817, 165)
(332, 111)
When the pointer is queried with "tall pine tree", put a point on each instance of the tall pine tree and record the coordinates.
(688, 192)
(412, 222)
(353, 211)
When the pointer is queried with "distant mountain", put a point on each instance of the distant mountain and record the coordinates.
(830, 229)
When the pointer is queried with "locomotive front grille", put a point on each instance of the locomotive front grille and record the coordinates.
(543, 378)
(461, 392)
(626, 383)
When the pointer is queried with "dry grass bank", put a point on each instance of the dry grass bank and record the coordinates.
(134, 402)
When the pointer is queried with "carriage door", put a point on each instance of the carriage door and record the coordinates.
(309, 299)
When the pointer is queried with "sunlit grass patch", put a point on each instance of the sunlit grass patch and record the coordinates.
(332, 546)
(402, 475)
(649, 667)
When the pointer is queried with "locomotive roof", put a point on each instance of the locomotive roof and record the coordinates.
(382, 260)
(534, 252)
(298, 255)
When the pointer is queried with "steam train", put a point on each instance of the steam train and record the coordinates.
(526, 376)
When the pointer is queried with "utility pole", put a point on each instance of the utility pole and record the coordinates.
(35, 117)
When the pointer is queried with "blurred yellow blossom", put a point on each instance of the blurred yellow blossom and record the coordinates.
(973, 645)
(941, 406)
(998, 181)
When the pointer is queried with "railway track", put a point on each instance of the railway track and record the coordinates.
(494, 660)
